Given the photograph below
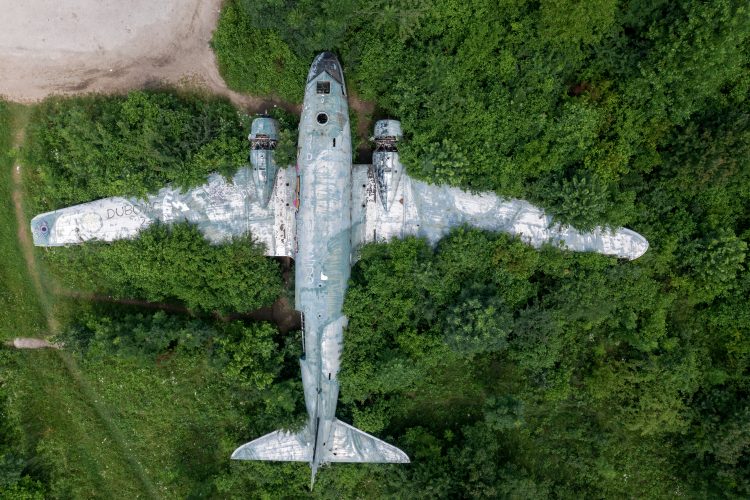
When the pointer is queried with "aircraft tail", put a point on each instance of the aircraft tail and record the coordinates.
(346, 444)
(349, 444)
(279, 446)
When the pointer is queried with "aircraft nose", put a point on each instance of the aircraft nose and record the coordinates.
(328, 62)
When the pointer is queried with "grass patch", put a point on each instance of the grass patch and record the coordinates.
(21, 313)
(172, 415)
(121, 427)
(74, 448)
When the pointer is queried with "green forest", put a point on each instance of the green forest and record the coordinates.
(501, 370)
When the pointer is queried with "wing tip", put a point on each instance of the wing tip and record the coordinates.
(638, 247)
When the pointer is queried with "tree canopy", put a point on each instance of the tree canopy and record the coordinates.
(508, 372)
(502, 371)
(538, 100)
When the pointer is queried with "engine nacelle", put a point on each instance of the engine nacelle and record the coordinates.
(385, 160)
(264, 134)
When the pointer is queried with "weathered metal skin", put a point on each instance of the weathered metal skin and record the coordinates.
(264, 133)
(430, 211)
(327, 62)
(323, 261)
(221, 209)
(385, 160)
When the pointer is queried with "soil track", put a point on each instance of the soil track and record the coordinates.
(281, 312)
(24, 237)
(80, 46)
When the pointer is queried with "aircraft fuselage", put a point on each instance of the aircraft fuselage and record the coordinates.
(323, 256)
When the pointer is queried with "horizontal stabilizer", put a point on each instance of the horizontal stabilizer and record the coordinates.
(279, 446)
(350, 444)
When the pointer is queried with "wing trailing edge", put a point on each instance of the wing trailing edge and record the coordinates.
(221, 209)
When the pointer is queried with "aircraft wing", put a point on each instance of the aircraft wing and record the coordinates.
(430, 211)
(220, 209)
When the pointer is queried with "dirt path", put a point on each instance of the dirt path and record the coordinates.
(281, 312)
(364, 111)
(25, 242)
(109, 46)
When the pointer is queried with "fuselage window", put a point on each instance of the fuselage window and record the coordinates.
(322, 118)
(323, 87)
(334, 142)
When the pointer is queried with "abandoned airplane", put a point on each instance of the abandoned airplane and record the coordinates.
(320, 212)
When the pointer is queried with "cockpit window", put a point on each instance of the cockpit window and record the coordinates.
(324, 87)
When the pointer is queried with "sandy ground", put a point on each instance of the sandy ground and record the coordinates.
(78, 46)
(31, 343)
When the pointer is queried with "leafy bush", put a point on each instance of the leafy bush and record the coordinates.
(252, 356)
(479, 322)
(256, 61)
(173, 263)
(91, 147)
